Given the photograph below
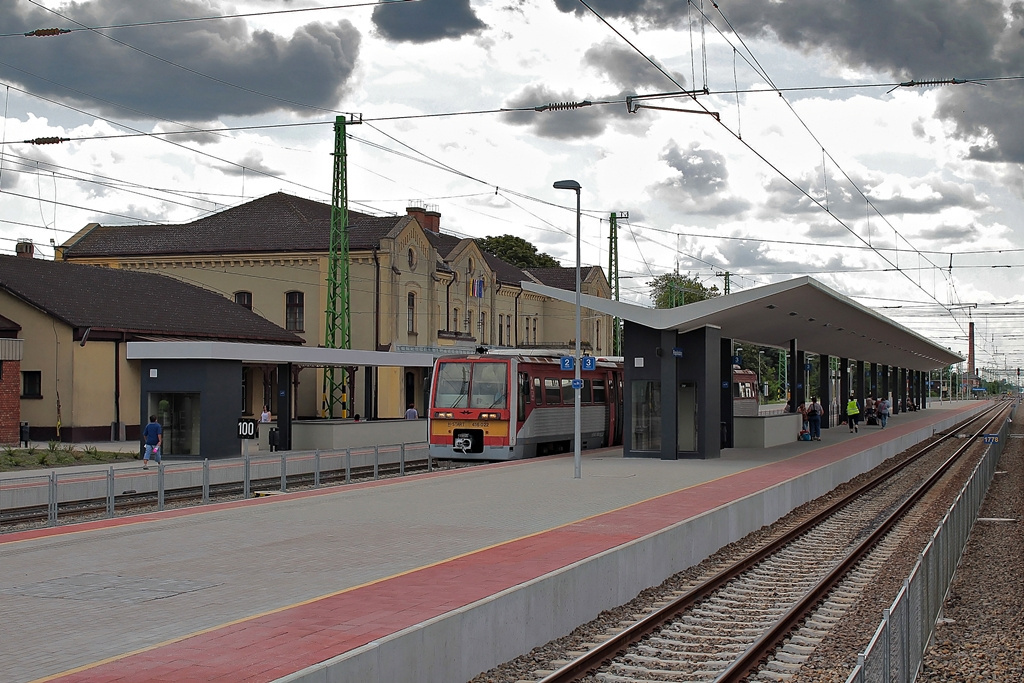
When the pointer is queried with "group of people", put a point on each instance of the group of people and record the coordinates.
(876, 410)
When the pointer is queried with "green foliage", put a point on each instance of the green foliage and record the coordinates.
(52, 446)
(672, 289)
(9, 450)
(517, 251)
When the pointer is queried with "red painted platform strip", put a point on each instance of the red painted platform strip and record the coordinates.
(266, 647)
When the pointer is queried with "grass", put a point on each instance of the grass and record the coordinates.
(57, 454)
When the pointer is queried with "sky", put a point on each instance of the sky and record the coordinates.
(766, 140)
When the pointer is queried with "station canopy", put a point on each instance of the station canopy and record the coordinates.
(821, 320)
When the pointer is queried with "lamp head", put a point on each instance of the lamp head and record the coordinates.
(567, 185)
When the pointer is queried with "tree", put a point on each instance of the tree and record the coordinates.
(517, 251)
(672, 289)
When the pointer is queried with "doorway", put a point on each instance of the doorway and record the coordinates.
(178, 414)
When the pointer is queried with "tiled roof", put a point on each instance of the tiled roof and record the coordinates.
(134, 302)
(563, 278)
(276, 222)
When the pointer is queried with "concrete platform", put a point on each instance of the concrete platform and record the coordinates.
(435, 577)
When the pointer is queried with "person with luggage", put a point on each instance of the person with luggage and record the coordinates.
(814, 411)
(852, 414)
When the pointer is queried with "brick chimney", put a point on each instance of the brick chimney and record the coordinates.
(24, 248)
(427, 216)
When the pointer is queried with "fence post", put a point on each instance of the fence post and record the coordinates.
(348, 465)
(110, 491)
(160, 485)
(51, 501)
(886, 645)
(206, 480)
(316, 469)
(376, 459)
(284, 471)
(245, 477)
(401, 461)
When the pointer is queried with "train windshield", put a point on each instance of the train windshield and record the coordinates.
(471, 385)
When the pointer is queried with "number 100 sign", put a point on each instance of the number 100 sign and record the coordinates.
(247, 428)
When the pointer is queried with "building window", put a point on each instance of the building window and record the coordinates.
(411, 312)
(597, 335)
(455, 315)
(294, 315)
(31, 384)
(244, 299)
(483, 327)
(412, 259)
(501, 329)
(534, 330)
(508, 329)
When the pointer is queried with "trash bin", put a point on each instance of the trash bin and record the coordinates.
(274, 439)
(23, 434)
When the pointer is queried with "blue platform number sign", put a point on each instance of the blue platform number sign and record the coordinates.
(568, 363)
(588, 363)
(990, 438)
(736, 360)
(725, 385)
(807, 367)
(247, 428)
(577, 384)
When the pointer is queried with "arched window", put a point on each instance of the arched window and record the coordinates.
(501, 323)
(244, 299)
(294, 311)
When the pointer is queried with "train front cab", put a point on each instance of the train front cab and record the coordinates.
(468, 418)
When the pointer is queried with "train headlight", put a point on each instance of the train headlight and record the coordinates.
(448, 415)
(489, 416)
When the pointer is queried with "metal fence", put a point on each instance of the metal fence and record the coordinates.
(896, 650)
(273, 472)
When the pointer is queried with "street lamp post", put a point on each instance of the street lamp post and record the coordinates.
(575, 187)
(760, 377)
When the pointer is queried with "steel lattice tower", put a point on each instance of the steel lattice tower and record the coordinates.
(613, 275)
(337, 318)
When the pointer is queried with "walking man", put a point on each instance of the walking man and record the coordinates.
(154, 436)
(852, 414)
(882, 408)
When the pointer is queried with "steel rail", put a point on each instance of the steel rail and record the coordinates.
(762, 648)
(611, 648)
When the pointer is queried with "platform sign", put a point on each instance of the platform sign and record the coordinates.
(990, 438)
(677, 352)
(577, 384)
(807, 367)
(588, 363)
(568, 363)
(736, 360)
(247, 428)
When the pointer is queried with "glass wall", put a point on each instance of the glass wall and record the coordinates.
(646, 403)
(178, 414)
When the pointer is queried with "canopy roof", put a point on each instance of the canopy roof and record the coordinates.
(821, 320)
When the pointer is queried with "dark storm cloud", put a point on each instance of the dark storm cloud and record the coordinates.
(910, 39)
(423, 22)
(626, 68)
(560, 125)
(311, 67)
(700, 183)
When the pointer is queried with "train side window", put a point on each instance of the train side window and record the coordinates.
(587, 395)
(523, 396)
(552, 393)
(567, 395)
(538, 391)
(599, 393)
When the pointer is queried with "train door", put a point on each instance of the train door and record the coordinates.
(614, 434)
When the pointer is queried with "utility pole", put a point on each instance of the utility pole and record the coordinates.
(726, 274)
(613, 275)
(337, 319)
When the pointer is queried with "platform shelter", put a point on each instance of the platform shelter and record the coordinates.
(690, 349)
(196, 387)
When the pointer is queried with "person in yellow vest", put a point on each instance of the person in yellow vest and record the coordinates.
(852, 414)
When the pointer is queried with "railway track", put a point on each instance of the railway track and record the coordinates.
(131, 502)
(761, 616)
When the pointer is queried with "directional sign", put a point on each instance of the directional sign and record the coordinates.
(588, 363)
(568, 363)
(247, 428)
(577, 384)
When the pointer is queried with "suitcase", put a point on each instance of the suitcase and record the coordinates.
(871, 420)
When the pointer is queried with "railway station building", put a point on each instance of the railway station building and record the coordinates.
(678, 364)
(413, 288)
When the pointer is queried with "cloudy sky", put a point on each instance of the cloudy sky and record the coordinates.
(797, 152)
